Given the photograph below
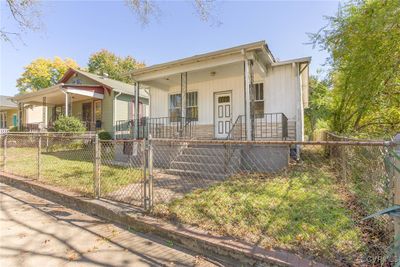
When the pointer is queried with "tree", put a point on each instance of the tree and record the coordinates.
(118, 68)
(319, 107)
(363, 40)
(148, 9)
(42, 73)
(25, 14)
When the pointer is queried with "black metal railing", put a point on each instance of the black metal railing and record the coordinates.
(236, 131)
(167, 127)
(163, 127)
(271, 126)
(265, 126)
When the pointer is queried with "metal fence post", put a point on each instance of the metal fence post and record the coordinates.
(396, 187)
(39, 158)
(96, 166)
(150, 173)
(4, 153)
(144, 157)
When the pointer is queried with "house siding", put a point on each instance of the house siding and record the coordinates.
(280, 87)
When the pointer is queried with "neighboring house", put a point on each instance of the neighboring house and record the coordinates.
(99, 102)
(237, 93)
(8, 113)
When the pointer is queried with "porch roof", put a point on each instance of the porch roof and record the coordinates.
(56, 94)
(207, 60)
(6, 103)
(111, 84)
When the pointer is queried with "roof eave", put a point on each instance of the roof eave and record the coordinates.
(203, 57)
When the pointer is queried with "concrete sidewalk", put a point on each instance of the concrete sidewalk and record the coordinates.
(37, 232)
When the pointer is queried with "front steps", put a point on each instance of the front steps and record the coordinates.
(205, 161)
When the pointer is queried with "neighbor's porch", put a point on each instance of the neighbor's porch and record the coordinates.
(39, 110)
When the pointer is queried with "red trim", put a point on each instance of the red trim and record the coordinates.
(97, 89)
(68, 74)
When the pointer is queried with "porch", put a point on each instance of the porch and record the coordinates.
(38, 111)
(239, 93)
(267, 126)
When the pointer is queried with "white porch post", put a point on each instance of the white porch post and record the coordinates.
(66, 104)
(44, 112)
(20, 111)
(136, 129)
(183, 97)
(248, 77)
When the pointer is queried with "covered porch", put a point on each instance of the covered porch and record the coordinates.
(220, 95)
(37, 111)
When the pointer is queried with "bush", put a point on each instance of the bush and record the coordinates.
(103, 135)
(13, 129)
(69, 124)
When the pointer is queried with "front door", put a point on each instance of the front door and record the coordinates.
(222, 114)
(87, 114)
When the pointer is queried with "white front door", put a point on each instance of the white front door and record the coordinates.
(222, 114)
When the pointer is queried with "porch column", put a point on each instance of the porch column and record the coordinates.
(136, 121)
(183, 97)
(66, 105)
(20, 111)
(249, 99)
(44, 112)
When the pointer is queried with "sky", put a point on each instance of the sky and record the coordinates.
(76, 29)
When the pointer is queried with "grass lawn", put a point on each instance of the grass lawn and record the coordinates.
(70, 169)
(301, 210)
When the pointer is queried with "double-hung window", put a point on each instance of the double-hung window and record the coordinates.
(258, 93)
(175, 105)
(192, 109)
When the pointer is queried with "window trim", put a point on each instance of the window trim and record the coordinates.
(180, 107)
(259, 100)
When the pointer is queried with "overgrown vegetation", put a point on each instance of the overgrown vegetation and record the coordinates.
(311, 208)
(69, 125)
(363, 40)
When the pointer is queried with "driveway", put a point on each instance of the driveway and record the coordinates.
(37, 232)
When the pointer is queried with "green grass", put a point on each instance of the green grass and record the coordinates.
(300, 210)
(69, 169)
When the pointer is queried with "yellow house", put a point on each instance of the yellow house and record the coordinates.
(8, 113)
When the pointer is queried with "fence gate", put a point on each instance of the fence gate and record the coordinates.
(123, 171)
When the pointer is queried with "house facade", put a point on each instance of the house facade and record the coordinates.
(237, 93)
(99, 102)
(8, 114)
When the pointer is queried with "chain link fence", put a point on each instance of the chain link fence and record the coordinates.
(306, 197)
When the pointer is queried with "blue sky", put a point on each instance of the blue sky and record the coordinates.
(76, 29)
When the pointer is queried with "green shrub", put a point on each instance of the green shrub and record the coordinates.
(103, 135)
(69, 124)
(13, 129)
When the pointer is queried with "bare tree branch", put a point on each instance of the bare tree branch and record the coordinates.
(26, 15)
(148, 9)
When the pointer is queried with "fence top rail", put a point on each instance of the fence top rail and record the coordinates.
(235, 142)
(122, 141)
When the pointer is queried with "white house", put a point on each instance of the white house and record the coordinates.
(241, 92)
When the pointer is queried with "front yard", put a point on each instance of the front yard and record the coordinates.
(303, 209)
(69, 169)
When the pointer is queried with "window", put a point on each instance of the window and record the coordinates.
(258, 93)
(192, 110)
(76, 81)
(3, 120)
(175, 104)
(97, 113)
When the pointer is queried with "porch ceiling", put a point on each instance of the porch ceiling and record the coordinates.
(218, 72)
(56, 96)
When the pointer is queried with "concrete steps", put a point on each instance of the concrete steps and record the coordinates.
(208, 162)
